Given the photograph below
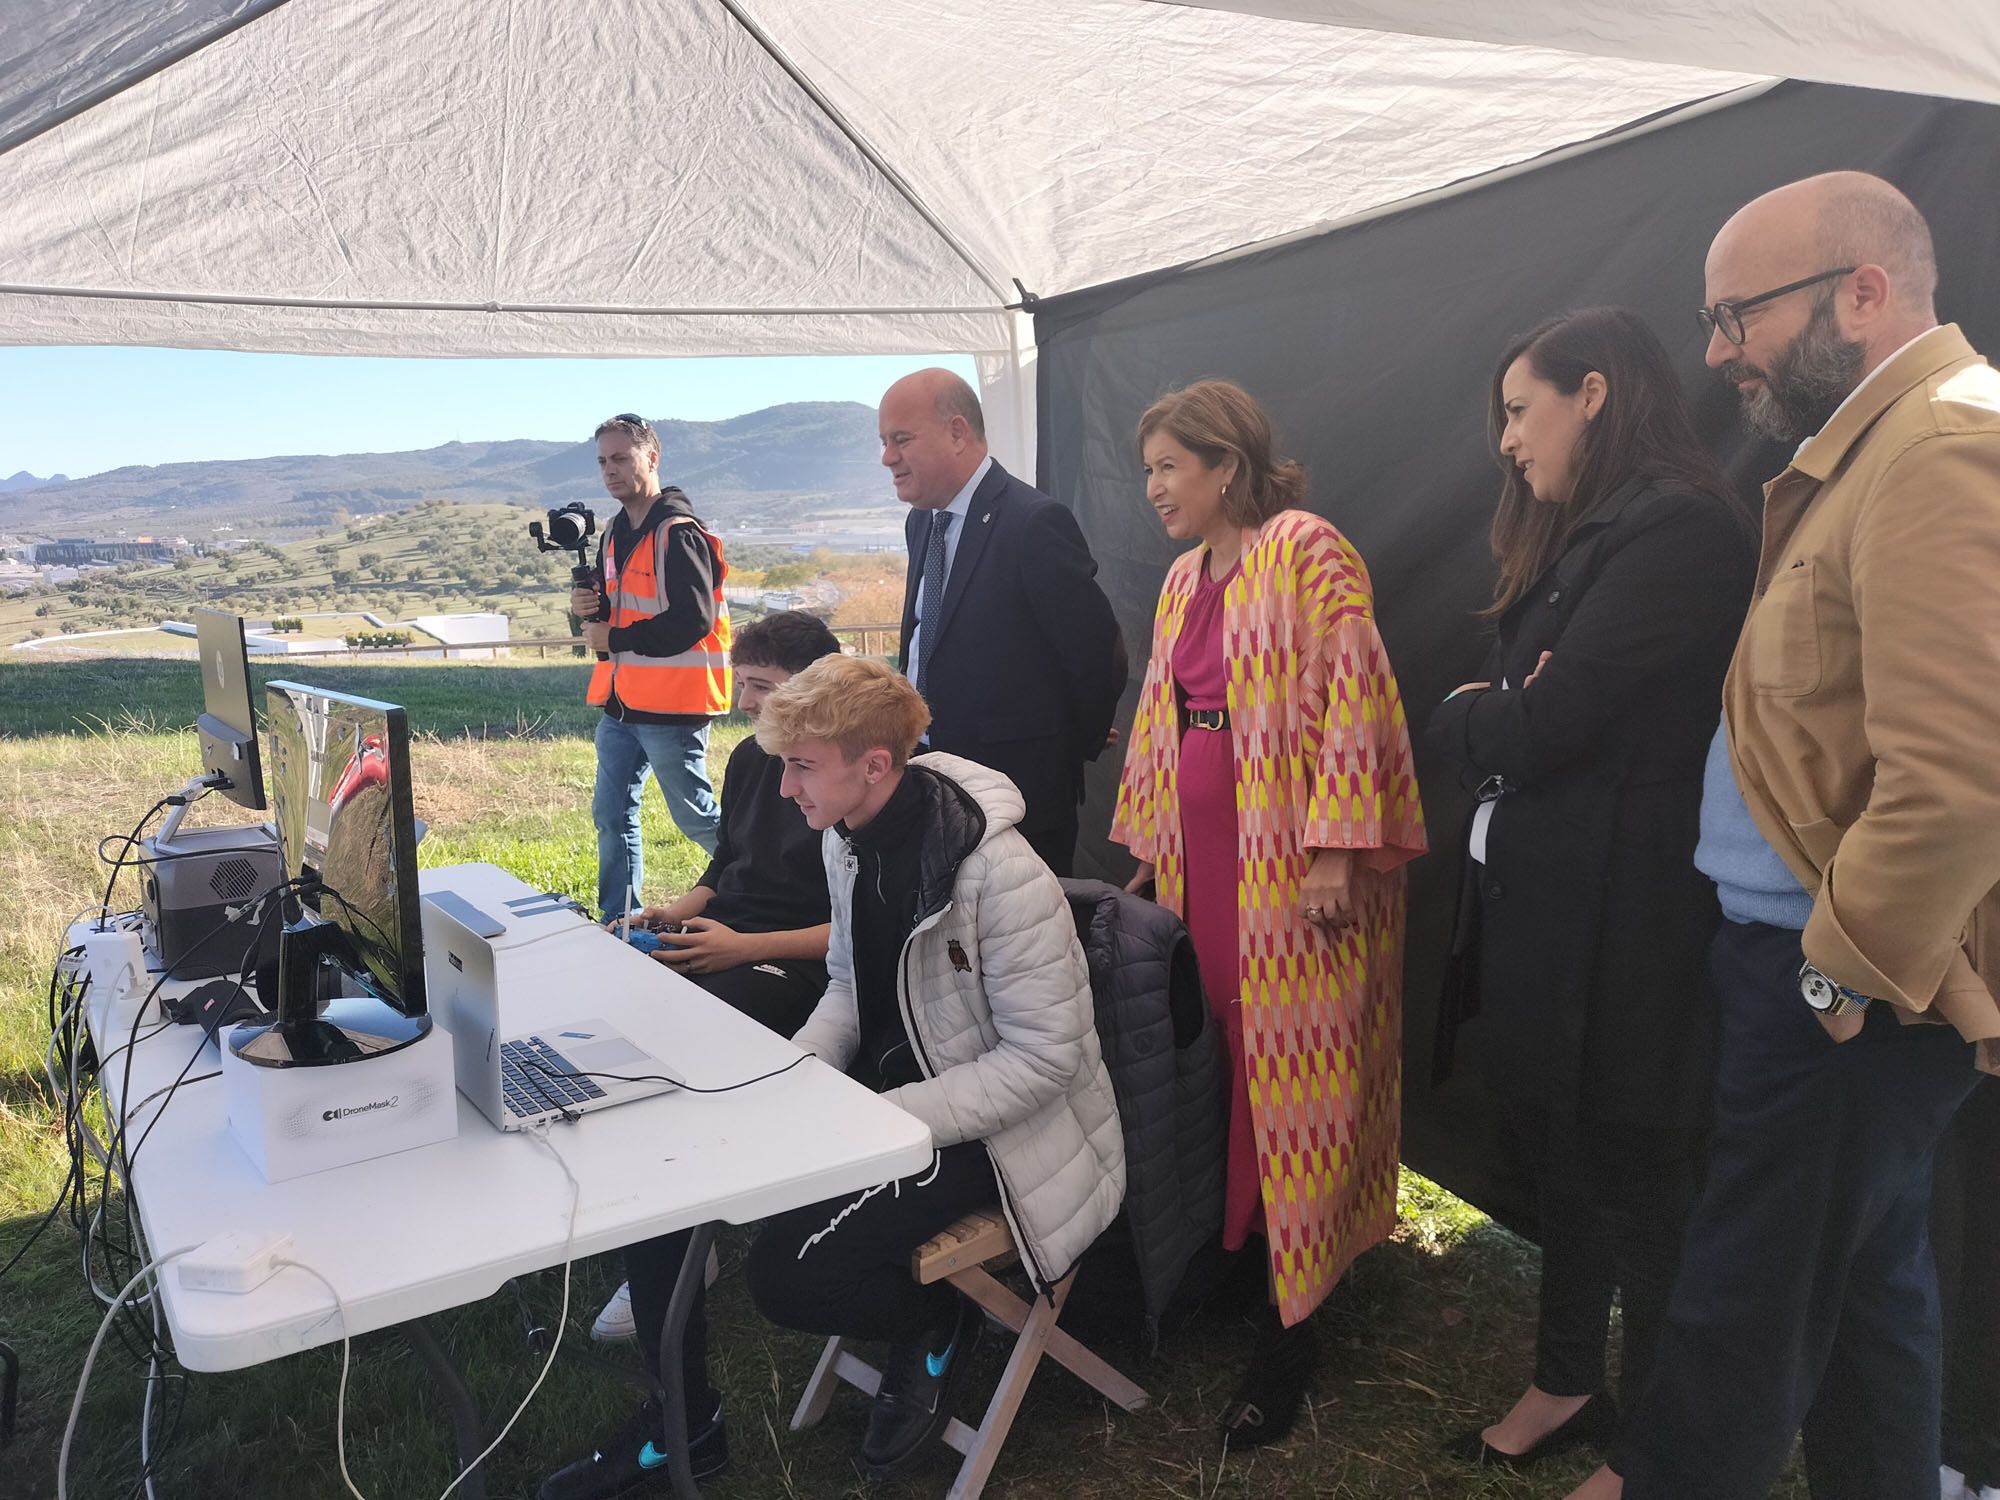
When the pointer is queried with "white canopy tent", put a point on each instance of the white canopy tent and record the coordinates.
(1950, 48)
(705, 177)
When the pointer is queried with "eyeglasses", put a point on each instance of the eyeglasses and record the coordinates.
(1726, 318)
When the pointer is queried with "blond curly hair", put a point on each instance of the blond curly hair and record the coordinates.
(853, 702)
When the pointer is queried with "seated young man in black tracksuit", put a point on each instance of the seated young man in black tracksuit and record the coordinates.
(753, 928)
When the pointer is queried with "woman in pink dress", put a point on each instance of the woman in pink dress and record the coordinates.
(1268, 790)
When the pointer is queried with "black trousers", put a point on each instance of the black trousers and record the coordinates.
(1965, 1221)
(782, 995)
(651, 1268)
(843, 1266)
(1056, 844)
(1807, 1297)
(1613, 1203)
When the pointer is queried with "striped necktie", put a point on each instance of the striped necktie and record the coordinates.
(933, 592)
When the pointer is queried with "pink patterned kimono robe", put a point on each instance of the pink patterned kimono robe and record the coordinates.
(1323, 762)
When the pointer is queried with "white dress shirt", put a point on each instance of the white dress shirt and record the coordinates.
(1848, 399)
(960, 507)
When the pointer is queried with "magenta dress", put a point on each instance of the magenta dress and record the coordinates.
(1208, 787)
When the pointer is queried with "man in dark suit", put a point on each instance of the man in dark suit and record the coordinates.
(1005, 631)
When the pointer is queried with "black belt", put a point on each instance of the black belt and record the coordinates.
(1205, 718)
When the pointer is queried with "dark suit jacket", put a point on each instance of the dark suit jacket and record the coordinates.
(1021, 668)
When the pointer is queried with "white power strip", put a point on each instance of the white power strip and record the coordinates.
(239, 1261)
(117, 958)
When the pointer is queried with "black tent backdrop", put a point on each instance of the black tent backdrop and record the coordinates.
(1373, 346)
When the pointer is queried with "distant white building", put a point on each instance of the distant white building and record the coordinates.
(478, 630)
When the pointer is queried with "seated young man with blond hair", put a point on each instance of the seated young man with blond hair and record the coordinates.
(956, 988)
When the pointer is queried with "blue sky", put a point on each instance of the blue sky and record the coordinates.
(80, 411)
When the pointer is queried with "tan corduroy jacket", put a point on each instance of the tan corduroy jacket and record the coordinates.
(1863, 704)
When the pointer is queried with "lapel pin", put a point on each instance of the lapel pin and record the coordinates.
(985, 518)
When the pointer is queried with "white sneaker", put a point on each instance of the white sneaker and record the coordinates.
(615, 1324)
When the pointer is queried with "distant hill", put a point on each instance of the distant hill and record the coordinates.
(766, 468)
(21, 479)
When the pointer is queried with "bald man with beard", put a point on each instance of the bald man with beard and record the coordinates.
(1851, 821)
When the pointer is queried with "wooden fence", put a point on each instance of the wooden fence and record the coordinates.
(866, 640)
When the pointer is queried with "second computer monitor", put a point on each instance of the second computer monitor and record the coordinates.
(227, 727)
(340, 782)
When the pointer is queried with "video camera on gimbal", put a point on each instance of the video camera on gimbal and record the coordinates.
(569, 529)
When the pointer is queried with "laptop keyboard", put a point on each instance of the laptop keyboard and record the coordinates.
(549, 1085)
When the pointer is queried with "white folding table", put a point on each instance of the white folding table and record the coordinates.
(408, 1235)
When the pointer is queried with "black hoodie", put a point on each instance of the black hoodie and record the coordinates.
(906, 857)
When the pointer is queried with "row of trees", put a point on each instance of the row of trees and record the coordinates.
(436, 556)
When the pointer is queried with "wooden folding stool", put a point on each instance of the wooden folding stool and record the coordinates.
(962, 1255)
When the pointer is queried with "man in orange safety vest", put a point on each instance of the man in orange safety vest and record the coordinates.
(660, 628)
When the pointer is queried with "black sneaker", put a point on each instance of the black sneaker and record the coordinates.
(914, 1402)
(628, 1460)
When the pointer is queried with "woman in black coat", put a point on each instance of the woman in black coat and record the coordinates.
(1625, 571)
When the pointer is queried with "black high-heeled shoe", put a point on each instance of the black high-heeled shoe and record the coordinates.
(1593, 1422)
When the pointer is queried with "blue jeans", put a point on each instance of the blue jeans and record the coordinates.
(677, 756)
(1807, 1297)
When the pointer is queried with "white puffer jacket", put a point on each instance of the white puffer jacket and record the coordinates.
(995, 995)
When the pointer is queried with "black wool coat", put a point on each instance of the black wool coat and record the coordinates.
(1582, 943)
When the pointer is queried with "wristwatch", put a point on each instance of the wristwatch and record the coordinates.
(1826, 997)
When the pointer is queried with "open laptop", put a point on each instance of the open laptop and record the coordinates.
(522, 1081)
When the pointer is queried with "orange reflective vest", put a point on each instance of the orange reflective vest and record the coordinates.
(695, 681)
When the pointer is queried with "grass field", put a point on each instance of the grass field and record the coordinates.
(1429, 1334)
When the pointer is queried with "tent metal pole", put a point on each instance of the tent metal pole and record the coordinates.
(359, 304)
(1021, 382)
(111, 90)
(854, 137)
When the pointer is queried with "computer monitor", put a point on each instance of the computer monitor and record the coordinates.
(227, 727)
(350, 960)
